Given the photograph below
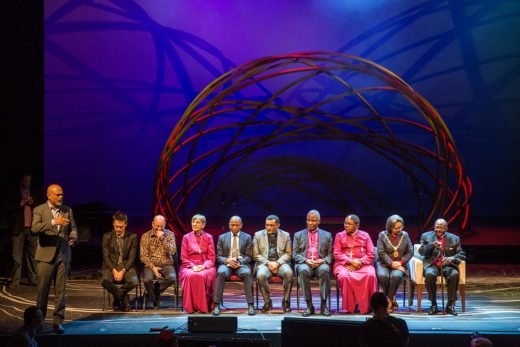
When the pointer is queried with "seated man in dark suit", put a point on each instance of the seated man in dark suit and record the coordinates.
(234, 252)
(119, 252)
(312, 253)
(441, 250)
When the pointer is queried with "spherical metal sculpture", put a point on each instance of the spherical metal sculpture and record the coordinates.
(310, 96)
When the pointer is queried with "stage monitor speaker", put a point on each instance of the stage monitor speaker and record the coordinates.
(298, 332)
(190, 341)
(212, 324)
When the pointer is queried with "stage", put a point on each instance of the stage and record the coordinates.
(492, 308)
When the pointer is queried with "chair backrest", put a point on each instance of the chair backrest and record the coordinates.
(416, 251)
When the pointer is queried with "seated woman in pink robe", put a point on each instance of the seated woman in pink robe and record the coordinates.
(355, 273)
(197, 273)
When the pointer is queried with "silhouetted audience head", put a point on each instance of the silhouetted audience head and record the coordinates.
(378, 302)
(33, 317)
(479, 341)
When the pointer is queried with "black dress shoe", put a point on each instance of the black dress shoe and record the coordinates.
(216, 310)
(116, 304)
(126, 304)
(58, 329)
(308, 311)
(251, 310)
(286, 306)
(451, 310)
(433, 310)
(267, 306)
(324, 310)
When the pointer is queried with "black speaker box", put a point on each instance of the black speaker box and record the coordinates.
(212, 324)
(191, 341)
(300, 332)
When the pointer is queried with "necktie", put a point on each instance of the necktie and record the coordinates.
(234, 247)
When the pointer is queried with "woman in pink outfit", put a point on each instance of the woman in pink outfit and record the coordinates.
(197, 274)
(355, 273)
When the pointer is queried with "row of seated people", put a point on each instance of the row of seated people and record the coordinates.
(350, 258)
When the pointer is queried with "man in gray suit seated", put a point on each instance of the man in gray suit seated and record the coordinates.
(441, 250)
(312, 253)
(234, 252)
(272, 253)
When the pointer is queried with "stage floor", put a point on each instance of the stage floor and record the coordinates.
(492, 305)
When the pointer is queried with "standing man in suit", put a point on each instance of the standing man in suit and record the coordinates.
(234, 252)
(54, 223)
(157, 249)
(441, 250)
(312, 253)
(24, 242)
(119, 252)
(272, 253)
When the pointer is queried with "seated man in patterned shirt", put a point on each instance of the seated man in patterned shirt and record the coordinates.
(157, 250)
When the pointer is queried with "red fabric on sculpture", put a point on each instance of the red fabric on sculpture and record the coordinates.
(356, 286)
(197, 286)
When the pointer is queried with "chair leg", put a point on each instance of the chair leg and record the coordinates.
(176, 295)
(411, 291)
(328, 297)
(104, 298)
(405, 283)
(256, 285)
(462, 290)
(297, 293)
(419, 296)
(337, 295)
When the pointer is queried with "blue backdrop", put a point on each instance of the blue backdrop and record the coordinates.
(119, 74)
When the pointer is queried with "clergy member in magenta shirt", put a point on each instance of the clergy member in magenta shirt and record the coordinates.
(355, 273)
(197, 274)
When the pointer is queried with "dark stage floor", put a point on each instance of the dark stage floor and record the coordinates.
(492, 306)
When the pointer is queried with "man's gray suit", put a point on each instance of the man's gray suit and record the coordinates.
(261, 256)
(304, 271)
(244, 271)
(53, 256)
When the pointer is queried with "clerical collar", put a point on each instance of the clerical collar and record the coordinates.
(353, 234)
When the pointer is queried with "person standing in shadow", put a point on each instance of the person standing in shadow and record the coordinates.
(24, 243)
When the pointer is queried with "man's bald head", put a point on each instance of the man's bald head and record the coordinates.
(55, 195)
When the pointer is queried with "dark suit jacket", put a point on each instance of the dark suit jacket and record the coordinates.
(384, 249)
(111, 252)
(452, 248)
(224, 247)
(50, 239)
(301, 242)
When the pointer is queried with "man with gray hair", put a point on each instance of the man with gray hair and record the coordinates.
(312, 253)
(157, 250)
(442, 253)
(234, 255)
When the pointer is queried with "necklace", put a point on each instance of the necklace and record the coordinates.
(351, 247)
(396, 253)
